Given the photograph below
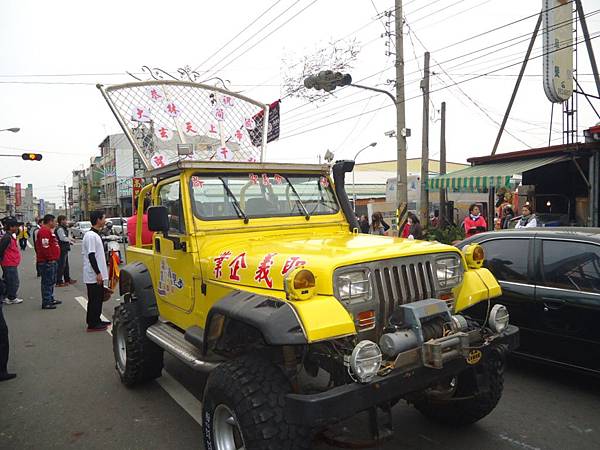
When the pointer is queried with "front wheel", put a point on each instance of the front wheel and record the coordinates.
(243, 408)
(137, 358)
(463, 400)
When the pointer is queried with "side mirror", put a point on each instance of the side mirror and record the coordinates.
(158, 219)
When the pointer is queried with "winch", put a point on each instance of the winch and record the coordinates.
(413, 324)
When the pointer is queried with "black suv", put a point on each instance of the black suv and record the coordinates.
(550, 280)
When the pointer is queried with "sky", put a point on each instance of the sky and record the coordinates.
(52, 54)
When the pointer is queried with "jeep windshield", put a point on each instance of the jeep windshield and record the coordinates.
(255, 195)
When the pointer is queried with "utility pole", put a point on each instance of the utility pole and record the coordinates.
(64, 186)
(401, 182)
(443, 165)
(424, 198)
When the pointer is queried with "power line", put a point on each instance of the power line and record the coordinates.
(434, 12)
(467, 95)
(253, 45)
(431, 91)
(505, 58)
(238, 34)
(429, 25)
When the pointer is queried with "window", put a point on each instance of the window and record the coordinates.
(170, 196)
(231, 196)
(571, 265)
(507, 258)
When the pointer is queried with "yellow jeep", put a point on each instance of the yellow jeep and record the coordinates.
(257, 276)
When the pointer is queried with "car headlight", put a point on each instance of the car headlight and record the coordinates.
(449, 272)
(365, 361)
(499, 318)
(354, 286)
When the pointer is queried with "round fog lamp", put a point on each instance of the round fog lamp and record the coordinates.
(365, 361)
(499, 318)
(300, 284)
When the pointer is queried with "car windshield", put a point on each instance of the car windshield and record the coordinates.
(85, 224)
(248, 195)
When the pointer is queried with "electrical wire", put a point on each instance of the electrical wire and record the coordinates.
(462, 64)
(260, 16)
(478, 106)
(253, 45)
(431, 91)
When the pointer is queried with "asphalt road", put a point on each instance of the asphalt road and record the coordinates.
(68, 395)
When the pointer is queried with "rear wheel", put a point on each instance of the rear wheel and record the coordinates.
(137, 358)
(243, 408)
(461, 400)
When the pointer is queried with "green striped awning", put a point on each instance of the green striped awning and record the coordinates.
(484, 176)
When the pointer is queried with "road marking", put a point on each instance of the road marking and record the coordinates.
(517, 443)
(184, 398)
(181, 395)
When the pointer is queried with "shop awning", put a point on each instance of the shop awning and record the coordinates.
(501, 174)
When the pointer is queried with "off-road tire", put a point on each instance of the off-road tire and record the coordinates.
(254, 390)
(144, 359)
(462, 412)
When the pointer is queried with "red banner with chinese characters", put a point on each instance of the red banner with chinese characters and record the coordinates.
(17, 194)
(137, 185)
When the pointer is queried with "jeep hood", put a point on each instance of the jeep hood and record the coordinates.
(263, 261)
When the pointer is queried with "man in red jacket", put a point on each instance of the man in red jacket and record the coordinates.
(48, 252)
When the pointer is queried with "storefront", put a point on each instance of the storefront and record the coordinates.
(560, 182)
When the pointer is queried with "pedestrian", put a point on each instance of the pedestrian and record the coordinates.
(528, 219)
(415, 230)
(474, 222)
(23, 236)
(63, 277)
(377, 227)
(48, 253)
(95, 272)
(132, 226)
(10, 258)
(364, 224)
(4, 348)
(507, 216)
(34, 234)
(435, 220)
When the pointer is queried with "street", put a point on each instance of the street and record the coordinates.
(67, 394)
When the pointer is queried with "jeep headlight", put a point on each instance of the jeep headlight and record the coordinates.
(499, 318)
(354, 286)
(449, 272)
(365, 361)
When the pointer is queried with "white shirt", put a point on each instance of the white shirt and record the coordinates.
(531, 224)
(92, 243)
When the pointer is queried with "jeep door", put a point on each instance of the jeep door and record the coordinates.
(510, 260)
(568, 302)
(173, 260)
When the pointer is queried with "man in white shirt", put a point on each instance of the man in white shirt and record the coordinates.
(95, 272)
(528, 219)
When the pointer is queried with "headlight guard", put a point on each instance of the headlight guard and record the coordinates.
(354, 286)
(449, 271)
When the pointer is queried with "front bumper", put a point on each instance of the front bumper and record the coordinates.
(345, 401)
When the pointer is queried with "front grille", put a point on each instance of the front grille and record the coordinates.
(402, 281)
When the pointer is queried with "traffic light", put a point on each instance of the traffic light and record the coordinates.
(327, 80)
(31, 156)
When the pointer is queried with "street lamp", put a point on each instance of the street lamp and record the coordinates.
(328, 80)
(12, 176)
(12, 130)
(372, 144)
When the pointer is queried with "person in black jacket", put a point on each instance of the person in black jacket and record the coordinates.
(63, 277)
